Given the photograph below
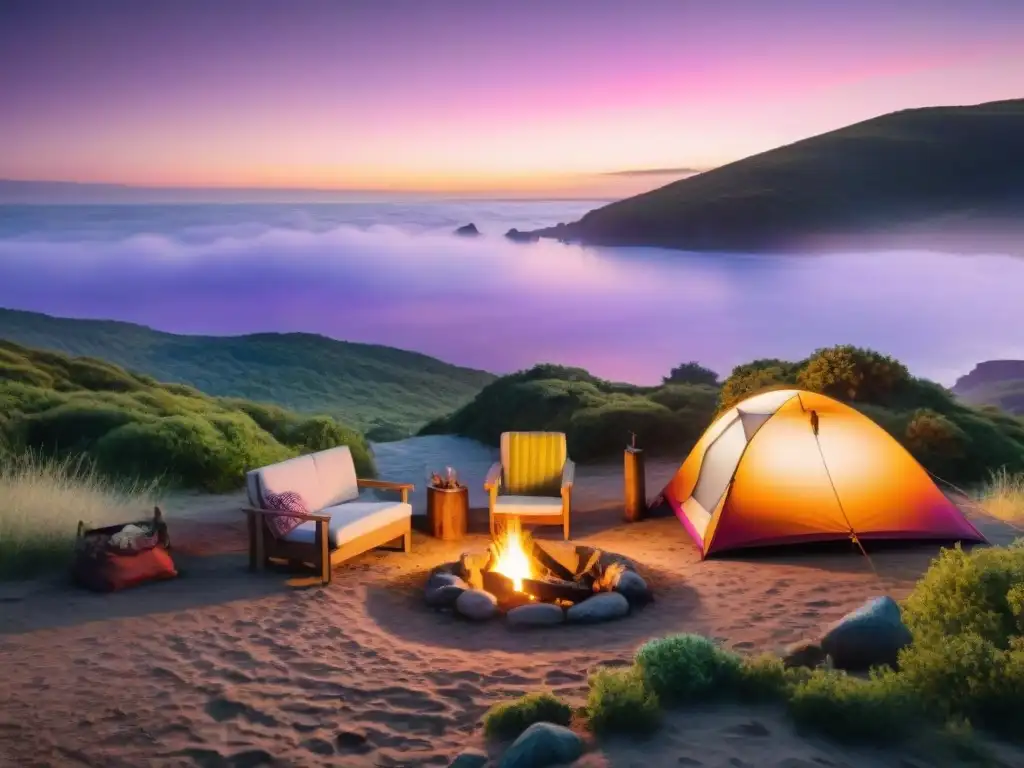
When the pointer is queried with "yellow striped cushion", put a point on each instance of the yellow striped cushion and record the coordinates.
(532, 463)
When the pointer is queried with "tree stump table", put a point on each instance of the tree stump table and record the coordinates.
(447, 510)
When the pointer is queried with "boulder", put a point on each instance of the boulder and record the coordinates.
(632, 586)
(446, 595)
(477, 605)
(536, 615)
(870, 636)
(541, 745)
(443, 579)
(469, 758)
(467, 230)
(601, 607)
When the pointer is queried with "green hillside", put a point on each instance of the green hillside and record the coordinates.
(944, 171)
(389, 392)
(994, 382)
(958, 442)
(133, 426)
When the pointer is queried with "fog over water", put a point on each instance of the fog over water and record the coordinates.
(392, 273)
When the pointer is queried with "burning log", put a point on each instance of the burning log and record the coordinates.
(544, 591)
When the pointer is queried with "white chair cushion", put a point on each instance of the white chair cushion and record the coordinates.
(298, 475)
(337, 474)
(351, 520)
(528, 505)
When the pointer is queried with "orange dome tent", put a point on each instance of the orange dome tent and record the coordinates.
(791, 466)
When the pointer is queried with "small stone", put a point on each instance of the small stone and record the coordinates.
(477, 605)
(469, 758)
(440, 579)
(632, 586)
(536, 615)
(541, 745)
(446, 596)
(602, 607)
(803, 654)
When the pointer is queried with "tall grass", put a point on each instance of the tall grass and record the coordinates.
(1003, 497)
(41, 502)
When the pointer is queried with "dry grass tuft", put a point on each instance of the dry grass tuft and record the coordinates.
(41, 502)
(1003, 497)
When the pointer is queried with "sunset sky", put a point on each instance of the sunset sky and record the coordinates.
(544, 96)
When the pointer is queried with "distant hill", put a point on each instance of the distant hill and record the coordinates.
(919, 176)
(994, 382)
(389, 392)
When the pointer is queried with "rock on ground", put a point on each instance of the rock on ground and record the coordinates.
(601, 607)
(632, 586)
(538, 615)
(870, 636)
(477, 605)
(543, 744)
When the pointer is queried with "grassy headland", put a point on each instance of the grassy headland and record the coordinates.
(956, 441)
(132, 426)
(385, 391)
(918, 176)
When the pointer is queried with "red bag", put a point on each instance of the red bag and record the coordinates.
(102, 567)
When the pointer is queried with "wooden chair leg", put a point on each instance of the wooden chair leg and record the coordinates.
(407, 541)
(323, 551)
(566, 517)
(260, 545)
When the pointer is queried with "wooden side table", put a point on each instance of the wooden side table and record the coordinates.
(447, 510)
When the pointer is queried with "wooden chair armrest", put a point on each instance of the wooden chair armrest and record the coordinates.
(493, 480)
(385, 485)
(279, 513)
(568, 474)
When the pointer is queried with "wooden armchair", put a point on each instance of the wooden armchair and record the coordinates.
(532, 482)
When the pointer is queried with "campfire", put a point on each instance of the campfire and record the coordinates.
(537, 583)
(518, 570)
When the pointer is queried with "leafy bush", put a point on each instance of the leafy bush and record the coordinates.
(621, 702)
(41, 502)
(685, 668)
(851, 709)
(509, 719)
(851, 373)
(766, 678)
(131, 426)
(691, 373)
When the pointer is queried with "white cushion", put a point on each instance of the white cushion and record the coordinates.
(322, 479)
(337, 474)
(351, 520)
(298, 475)
(528, 505)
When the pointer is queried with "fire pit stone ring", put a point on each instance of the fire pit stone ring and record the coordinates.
(540, 584)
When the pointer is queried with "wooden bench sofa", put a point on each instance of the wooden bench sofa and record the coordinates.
(339, 524)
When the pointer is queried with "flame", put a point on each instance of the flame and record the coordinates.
(511, 558)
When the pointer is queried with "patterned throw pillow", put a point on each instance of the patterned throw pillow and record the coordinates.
(289, 501)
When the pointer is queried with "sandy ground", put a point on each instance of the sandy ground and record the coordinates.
(226, 668)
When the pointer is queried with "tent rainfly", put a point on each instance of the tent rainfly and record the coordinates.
(791, 466)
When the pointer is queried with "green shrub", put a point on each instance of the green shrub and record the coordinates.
(851, 373)
(967, 593)
(845, 708)
(132, 426)
(766, 678)
(509, 719)
(691, 373)
(620, 701)
(685, 668)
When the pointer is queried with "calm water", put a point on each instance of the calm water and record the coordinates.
(392, 273)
